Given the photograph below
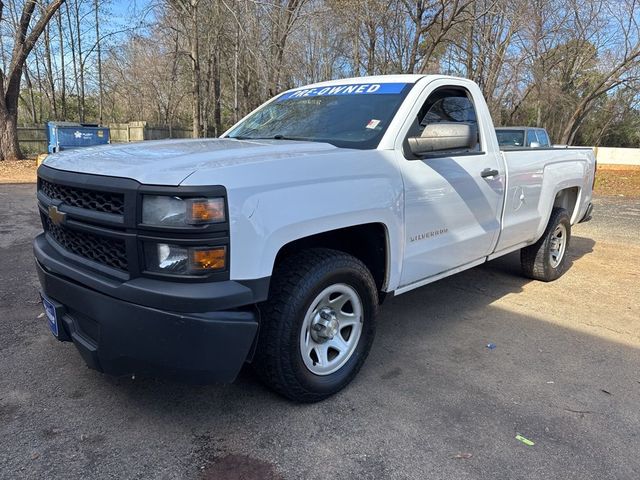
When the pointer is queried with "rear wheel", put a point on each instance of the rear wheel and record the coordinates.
(317, 326)
(546, 260)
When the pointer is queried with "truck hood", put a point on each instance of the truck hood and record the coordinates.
(170, 162)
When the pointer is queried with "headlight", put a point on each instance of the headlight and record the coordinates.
(183, 260)
(165, 211)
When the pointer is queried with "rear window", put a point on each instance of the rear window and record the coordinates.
(531, 137)
(510, 138)
(543, 138)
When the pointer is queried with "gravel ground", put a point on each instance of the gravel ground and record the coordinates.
(431, 402)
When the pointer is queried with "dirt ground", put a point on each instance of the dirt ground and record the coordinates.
(19, 171)
(618, 180)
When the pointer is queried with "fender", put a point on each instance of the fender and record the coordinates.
(557, 177)
(279, 217)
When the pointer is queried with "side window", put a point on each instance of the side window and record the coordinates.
(543, 138)
(449, 109)
(446, 105)
(531, 137)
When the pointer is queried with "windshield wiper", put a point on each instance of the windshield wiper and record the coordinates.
(274, 137)
(283, 137)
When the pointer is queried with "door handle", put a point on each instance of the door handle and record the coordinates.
(489, 172)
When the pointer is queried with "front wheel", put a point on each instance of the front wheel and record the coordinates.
(546, 260)
(317, 326)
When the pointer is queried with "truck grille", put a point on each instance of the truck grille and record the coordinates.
(105, 202)
(107, 251)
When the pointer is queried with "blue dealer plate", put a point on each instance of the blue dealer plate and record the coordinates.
(50, 311)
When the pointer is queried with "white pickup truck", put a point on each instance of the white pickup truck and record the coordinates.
(275, 244)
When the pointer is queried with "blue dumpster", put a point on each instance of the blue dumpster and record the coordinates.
(68, 135)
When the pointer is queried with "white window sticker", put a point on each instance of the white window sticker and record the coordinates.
(373, 123)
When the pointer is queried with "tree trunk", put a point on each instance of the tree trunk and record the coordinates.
(470, 43)
(41, 90)
(572, 126)
(23, 44)
(99, 60)
(170, 110)
(81, 100)
(74, 63)
(49, 66)
(236, 54)
(282, 28)
(32, 99)
(9, 147)
(416, 18)
(195, 98)
(63, 86)
(195, 75)
(217, 103)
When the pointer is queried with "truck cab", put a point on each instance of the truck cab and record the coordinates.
(523, 137)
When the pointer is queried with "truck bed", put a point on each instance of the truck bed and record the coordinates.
(534, 176)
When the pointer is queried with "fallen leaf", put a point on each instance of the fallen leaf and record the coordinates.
(524, 440)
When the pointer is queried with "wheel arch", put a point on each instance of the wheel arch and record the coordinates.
(567, 198)
(562, 186)
(368, 242)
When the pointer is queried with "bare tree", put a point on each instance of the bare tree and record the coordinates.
(189, 19)
(623, 62)
(24, 40)
(572, 66)
(96, 6)
(63, 81)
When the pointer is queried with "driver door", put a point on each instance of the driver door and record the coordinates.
(452, 207)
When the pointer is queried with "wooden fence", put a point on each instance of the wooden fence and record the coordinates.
(33, 138)
(139, 131)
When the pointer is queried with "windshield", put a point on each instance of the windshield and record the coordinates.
(510, 138)
(350, 116)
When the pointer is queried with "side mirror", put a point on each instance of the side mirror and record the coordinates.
(440, 137)
(535, 145)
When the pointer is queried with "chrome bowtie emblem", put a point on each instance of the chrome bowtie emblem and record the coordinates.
(56, 216)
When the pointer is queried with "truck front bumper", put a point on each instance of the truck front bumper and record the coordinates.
(122, 337)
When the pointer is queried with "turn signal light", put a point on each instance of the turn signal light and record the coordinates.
(207, 210)
(209, 259)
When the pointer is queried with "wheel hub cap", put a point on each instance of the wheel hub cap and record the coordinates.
(557, 245)
(331, 329)
(325, 325)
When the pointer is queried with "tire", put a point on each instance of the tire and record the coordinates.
(538, 260)
(287, 350)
